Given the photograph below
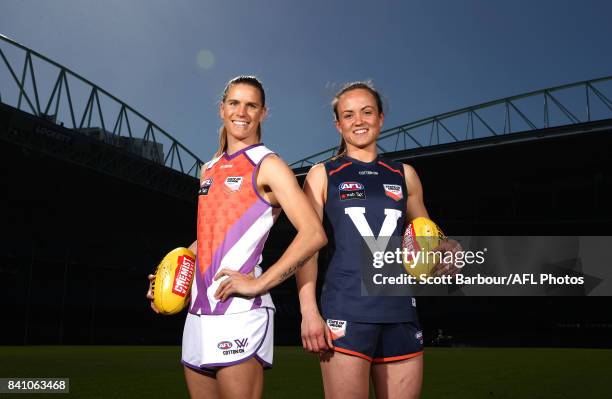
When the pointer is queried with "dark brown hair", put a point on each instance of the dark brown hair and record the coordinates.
(348, 87)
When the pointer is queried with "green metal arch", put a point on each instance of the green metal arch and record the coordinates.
(178, 157)
(517, 112)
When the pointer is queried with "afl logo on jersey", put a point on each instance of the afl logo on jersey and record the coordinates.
(351, 190)
(205, 187)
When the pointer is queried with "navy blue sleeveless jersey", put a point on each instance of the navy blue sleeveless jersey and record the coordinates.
(363, 199)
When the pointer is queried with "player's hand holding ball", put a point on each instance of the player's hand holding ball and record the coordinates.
(150, 297)
(423, 235)
(170, 286)
(447, 268)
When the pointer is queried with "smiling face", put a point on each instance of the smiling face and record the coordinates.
(242, 111)
(359, 119)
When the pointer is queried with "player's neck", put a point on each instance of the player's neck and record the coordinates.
(233, 146)
(365, 155)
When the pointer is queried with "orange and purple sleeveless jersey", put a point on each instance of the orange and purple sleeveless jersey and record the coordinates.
(233, 225)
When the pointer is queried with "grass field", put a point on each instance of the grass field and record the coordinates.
(155, 372)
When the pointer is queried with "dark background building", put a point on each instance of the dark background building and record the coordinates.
(78, 239)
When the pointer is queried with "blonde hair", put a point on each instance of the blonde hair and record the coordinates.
(242, 79)
(348, 87)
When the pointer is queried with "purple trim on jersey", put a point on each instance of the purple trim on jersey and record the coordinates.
(256, 303)
(200, 370)
(255, 183)
(231, 238)
(246, 267)
(206, 305)
(254, 354)
(234, 155)
(265, 364)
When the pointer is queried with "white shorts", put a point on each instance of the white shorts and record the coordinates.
(211, 342)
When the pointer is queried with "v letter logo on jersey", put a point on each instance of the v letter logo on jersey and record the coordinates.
(357, 215)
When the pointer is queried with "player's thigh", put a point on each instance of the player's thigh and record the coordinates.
(345, 376)
(241, 381)
(401, 379)
(200, 385)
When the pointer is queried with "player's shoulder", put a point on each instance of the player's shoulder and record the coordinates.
(317, 170)
(391, 166)
(259, 152)
(209, 165)
(212, 162)
(336, 164)
(317, 173)
(411, 176)
(272, 166)
(409, 170)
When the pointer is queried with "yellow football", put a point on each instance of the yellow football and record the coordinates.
(173, 279)
(421, 237)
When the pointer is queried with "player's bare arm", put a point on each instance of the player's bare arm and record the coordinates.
(416, 208)
(415, 204)
(315, 337)
(276, 175)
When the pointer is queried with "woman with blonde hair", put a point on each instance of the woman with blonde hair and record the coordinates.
(227, 340)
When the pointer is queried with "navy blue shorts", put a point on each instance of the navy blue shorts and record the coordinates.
(377, 342)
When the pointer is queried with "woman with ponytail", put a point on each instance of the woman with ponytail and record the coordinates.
(228, 335)
(360, 195)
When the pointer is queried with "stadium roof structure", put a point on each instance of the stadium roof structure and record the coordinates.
(529, 114)
(53, 92)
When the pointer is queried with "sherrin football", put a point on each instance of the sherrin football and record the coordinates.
(173, 279)
(421, 237)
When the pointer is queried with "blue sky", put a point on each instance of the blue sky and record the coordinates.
(426, 57)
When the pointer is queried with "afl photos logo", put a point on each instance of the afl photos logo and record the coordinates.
(351, 190)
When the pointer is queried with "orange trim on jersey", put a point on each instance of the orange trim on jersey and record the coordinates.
(353, 353)
(396, 358)
(338, 169)
(389, 167)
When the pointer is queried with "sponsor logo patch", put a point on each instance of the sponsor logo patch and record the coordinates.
(419, 336)
(227, 347)
(233, 183)
(393, 191)
(351, 190)
(229, 165)
(205, 186)
(183, 275)
(368, 172)
(337, 328)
